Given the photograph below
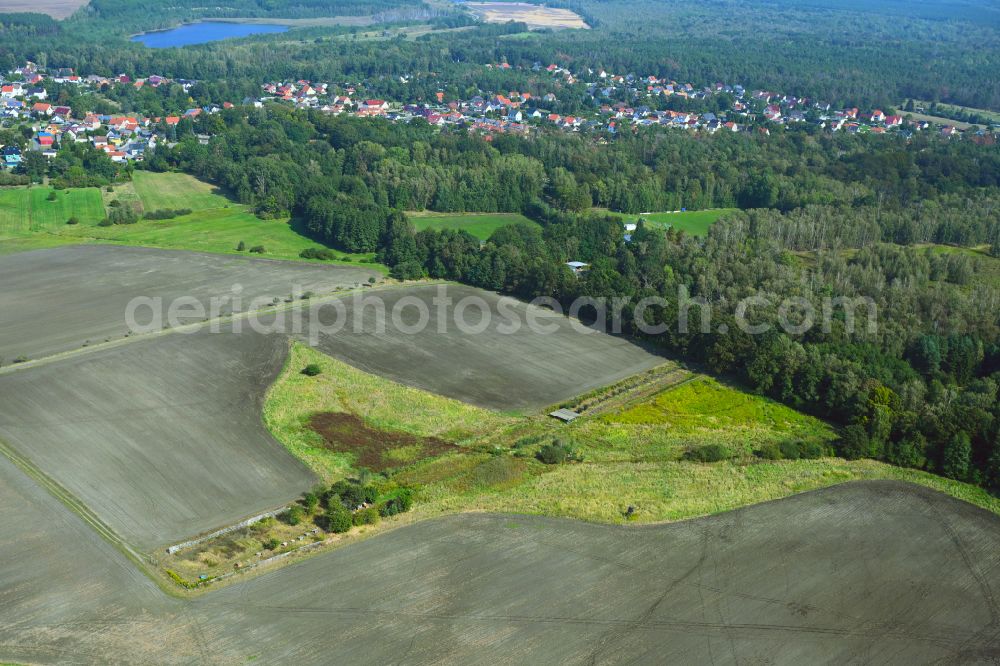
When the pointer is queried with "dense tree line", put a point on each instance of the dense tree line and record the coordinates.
(850, 56)
(343, 176)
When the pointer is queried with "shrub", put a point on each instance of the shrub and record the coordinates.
(258, 249)
(352, 493)
(769, 451)
(337, 519)
(408, 270)
(367, 516)
(317, 253)
(371, 280)
(401, 503)
(295, 515)
(812, 450)
(556, 453)
(167, 213)
(110, 188)
(310, 501)
(122, 215)
(114, 203)
(72, 220)
(790, 450)
(52, 196)
(106, 222)
(312, 370)
(707, 454)
(241, 247)
(271, 543)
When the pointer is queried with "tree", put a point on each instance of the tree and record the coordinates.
(853, 442)
(312, 370)
(337, 519)
(310, 501)
(398, 242)
(993, 464)
(957, 456)
(34, 165)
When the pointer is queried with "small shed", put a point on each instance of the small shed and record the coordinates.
(565, 415)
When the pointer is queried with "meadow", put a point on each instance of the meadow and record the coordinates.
(25, 210)
(219, 231)
(176, 190)
(216, 224)
(630, 457)
(480, 225)
(692, 222)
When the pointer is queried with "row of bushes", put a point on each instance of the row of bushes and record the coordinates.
(167, 213)
(322, 254)
(348, 503)
(792, 450)
(119, 215)
(786, 450)
(256, 249)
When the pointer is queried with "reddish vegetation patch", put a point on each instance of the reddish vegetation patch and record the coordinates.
(374, 448)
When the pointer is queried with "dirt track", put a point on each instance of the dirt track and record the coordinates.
(873, 572)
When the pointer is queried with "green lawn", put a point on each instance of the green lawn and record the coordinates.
(176, 190)
(217, 230)
(29, 221)
(480, 225)
(25, 210)
(693, 222)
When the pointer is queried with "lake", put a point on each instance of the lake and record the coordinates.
(204, 32)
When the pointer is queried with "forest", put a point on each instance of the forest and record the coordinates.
(855, 55)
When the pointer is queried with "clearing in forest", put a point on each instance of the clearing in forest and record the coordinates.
(480, 225)
(691, 222)
(535, 16)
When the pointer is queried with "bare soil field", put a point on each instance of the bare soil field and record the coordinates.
(64, 298)
(67, 596)
(161, 438)
(521, 370)
(536, 16)
(372, 448)
(58, 9)
(875, 572)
